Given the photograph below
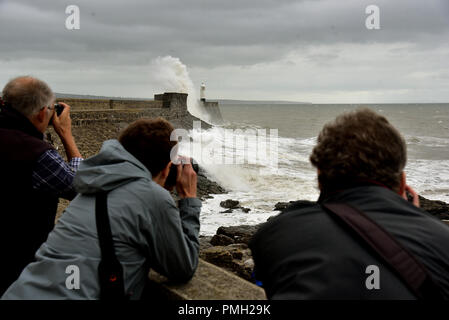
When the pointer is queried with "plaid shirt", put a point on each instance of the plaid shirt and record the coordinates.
(52, 174)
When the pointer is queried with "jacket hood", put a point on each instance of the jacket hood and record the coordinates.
(112, 167)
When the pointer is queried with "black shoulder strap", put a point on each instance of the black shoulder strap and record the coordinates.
(110, 270)
(410, 270)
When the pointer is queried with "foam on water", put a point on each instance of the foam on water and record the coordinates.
(427, 141)
(295, 179)
(292, 178)
(430, 178)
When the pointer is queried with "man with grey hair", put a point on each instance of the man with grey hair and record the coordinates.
(33, 174)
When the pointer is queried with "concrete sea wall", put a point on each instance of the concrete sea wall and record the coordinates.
(97, 120)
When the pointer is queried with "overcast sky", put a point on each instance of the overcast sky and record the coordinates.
(318, 51)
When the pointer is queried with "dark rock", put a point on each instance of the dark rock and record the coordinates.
(282, 205)
(240, 234)
(235, 258)
(436, 208)
(206, 187)
(233, 204)
(229, 204)
(221, 240)
(205, 242)
(272, 217)
(217, 255)
(298, 204)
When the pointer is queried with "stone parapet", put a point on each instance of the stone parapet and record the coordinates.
(209, 283)
(98, 104)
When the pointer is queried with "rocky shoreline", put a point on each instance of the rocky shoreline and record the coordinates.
(228, 248)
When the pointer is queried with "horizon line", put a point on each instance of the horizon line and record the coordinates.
(267, 100)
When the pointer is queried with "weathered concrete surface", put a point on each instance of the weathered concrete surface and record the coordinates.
(208, 283)
(96, 104)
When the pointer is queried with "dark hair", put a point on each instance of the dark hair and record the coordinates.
(149, 141)
(359, 145)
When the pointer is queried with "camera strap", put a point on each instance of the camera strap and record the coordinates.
(409, 269)
(110, 271)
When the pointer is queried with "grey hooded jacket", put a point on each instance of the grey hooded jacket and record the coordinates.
(148, 231)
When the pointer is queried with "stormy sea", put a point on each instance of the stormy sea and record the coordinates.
(260, 185)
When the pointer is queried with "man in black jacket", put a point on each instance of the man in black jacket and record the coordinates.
(32, 173)
(306, 253)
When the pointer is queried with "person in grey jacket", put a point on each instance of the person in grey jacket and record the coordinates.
(148, 229)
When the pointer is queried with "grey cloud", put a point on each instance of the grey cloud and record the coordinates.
(208, 33)
(227, 41)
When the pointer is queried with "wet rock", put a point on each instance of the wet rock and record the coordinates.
(272, 217)
(233, 204)
(205, 242)
(221, 240)
(300, 203)
(239, 234)
(282, 205)
(230, 204)
(206, 187)
(235, 258)
(436, 208)
(218, 255)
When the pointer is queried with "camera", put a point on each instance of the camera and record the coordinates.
(173, 174)
(58, 109)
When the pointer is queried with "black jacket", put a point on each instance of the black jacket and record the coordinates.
(305, 253)
(27, 215)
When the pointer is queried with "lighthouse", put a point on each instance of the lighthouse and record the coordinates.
(203, 92)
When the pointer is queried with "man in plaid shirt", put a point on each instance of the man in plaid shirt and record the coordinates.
(33, 175)
(53, 174)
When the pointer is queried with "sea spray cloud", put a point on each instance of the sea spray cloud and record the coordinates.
(228, 147)
(170, 75)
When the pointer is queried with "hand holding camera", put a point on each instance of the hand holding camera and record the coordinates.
(184, 176)
(411, 196)
(61, 120)
(62, 123)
